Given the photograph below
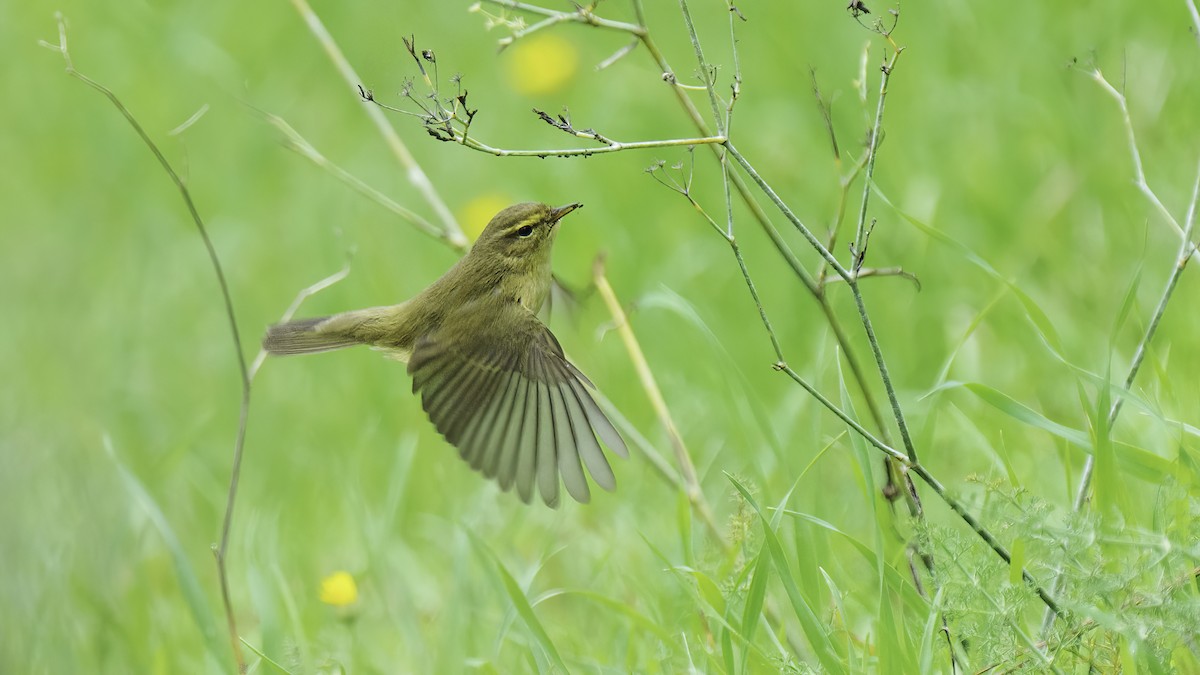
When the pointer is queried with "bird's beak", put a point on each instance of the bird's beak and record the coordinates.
(557, 214)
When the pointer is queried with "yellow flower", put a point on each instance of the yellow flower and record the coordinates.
(542, 63)
(476, 214)
(338, 589)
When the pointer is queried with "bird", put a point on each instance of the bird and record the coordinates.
(492, 378)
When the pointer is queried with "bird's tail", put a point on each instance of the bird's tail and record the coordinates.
(309, 336)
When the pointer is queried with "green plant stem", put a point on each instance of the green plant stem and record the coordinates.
(861, 232)
(704, 69)
(1139, 174)
(846, 276)
(221, 550)
(788, 214)
(912, 465)
(413, 171)
(781, 361)
(983, 532)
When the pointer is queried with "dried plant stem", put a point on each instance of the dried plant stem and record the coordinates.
(415, 174)
(219, 551)
(683, 458)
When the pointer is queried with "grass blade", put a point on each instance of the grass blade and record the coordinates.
(521, 604)
(189, 583)
(818, 636)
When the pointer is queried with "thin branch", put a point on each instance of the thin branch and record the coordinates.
(581, 14)
(303, 295)
(618, 55)
(781, 362)
(523, 32)
(788, 213)
(413, 171)
(1139, 174)
(862, 233)
(850, 421)
(227, 299)
(615, 146)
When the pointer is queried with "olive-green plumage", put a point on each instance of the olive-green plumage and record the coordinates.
(492, 377)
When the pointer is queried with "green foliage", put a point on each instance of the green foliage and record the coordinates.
(1003, 183)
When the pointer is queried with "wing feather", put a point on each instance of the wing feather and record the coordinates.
(480, 430)
(516, 410)
(588, 449)
(547, 439)
(472, 406)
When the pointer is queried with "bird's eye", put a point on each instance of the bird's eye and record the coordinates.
(525, 231)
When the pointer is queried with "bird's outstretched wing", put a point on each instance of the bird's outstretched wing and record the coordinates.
(496, 385)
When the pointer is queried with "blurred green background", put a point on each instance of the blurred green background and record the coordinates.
(121, 405)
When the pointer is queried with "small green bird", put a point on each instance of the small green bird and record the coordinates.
(492, 377)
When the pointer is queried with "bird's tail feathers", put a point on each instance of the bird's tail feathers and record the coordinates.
(307, 336)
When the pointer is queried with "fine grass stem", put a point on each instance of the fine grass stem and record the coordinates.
(219, 551)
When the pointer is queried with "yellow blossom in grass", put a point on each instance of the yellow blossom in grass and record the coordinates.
(542, 63)
(477, 212)
(338, 589)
